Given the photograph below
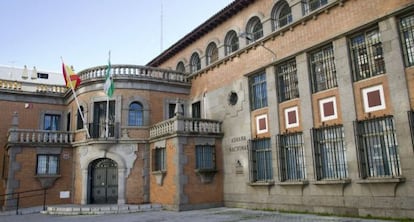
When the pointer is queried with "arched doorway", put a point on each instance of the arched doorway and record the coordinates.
(103, 181)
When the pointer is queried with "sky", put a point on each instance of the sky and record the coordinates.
(82, 32)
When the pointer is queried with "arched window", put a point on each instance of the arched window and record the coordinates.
(281, 15)
(79, 121)
(231, 42)
(254, 30)
(195, 63)
(135, 114)
(211, 53)
(180, 67)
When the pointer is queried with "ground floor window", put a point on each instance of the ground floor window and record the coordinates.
(205, 157)
(329, 153)
(159, 159)
(411, 119)
(378, 148)
(291, 158)
(47, 164)
(260, 154)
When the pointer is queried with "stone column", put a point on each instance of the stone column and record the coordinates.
(121, 186)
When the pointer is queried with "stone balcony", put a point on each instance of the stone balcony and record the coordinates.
(133, 71)
(32, 136)
(186, 126)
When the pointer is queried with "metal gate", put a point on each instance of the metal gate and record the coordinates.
(104, 181)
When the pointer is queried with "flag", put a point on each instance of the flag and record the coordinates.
(71, 79)
(109, 86)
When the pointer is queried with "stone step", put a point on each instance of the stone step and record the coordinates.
(99, 209)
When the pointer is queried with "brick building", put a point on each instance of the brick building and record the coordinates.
(276, 104)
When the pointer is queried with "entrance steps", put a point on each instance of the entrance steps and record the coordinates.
(99, 209)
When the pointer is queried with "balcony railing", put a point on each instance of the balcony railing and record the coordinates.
(39, 136)
(185, 126)
(133, 71)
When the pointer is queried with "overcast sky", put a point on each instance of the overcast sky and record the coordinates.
(38, 32)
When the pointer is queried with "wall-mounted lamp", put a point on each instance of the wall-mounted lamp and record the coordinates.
(249, 37)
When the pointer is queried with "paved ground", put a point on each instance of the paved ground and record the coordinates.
(208, 215)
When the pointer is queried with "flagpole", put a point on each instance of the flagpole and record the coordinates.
(77, 103)
(107, 118)
(107, 104)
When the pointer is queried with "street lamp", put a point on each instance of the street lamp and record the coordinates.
(249, 37)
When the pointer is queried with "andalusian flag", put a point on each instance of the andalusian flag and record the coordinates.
(71, 79)
(109, 86)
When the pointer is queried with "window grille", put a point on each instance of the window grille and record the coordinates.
(205, 157)
(367, 55)
(411, 119)
(287, 81)
(407, 39)
(311, 5)
(323, 71)
(258, 91)
(159, 159)
(291, 157)
(329, 153)
(47, 164)
(377, 148)
(260, 159)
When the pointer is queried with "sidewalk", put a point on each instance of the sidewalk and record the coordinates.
(209, 215)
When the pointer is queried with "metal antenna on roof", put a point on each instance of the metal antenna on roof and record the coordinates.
(162, 29)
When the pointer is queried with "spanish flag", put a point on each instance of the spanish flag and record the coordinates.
(71, 79)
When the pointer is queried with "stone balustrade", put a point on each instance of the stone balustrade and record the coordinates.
(39, 136)
(12, 85)
(51, 89)
(133, 71)
(185, 126)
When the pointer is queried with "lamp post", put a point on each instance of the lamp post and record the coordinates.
(247, 36)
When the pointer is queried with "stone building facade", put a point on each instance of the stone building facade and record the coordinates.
(273, 104)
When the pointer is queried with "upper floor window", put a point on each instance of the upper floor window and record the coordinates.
(254, 29)
(171, 110)
(231, 42)
(411, 121)
(195, 63)
(260, 153)
(258, 91)
(79, 121)
(323, 71)
(329, 153)
(281, 15)
(407, 39)
(51, 122)
(196, 110)
(287, 80)
(135, 114)
(377, 148)
(211, 53)
(205, 157)
(180, 67)
(47, 164)
(159, 159)
(311, 5)
(367, 55)
(291, 157)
